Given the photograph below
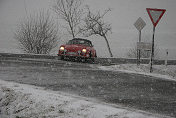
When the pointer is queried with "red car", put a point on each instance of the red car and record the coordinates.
(78, 48)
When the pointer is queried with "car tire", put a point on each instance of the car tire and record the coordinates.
(95, 55)
(92, 59)
(62, 57)
(90, 54)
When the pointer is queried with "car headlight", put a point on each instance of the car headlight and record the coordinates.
(62, 48)
(84, 50)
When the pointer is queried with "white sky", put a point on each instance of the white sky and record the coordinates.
(122, 17)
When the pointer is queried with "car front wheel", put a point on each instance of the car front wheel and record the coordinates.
(62, 57)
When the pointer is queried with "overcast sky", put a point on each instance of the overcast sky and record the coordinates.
(122, 17)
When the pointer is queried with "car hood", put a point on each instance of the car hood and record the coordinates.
(75, 47)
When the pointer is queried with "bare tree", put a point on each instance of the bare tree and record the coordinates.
(71, 12)
(95, 25)
(37, 34)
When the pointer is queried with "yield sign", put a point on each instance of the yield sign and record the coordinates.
(155, 15)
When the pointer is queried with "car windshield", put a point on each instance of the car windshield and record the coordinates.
(82, 42)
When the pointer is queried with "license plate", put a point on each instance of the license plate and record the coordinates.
(72, 53)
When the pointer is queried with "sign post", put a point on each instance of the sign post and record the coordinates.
(139, 24)
(155, 16)
(166, 59)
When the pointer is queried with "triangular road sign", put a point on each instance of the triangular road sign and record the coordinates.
(155, 15)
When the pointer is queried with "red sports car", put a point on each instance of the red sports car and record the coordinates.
(77, 48)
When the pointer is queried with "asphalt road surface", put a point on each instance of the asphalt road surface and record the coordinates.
(130, 90)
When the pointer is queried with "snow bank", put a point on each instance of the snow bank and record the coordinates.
(25, 101)
(159, 71)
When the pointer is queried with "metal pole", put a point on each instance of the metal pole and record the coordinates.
(139, 49)
(166, 57)
(137, 56)
(152, 55)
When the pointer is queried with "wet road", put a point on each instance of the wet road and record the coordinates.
(131, 90)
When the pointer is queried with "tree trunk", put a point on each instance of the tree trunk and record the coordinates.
(109, 49)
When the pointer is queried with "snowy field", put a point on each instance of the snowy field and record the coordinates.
(26, 101)
(160, 71)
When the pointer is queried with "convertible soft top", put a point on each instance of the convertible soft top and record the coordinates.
(82, 39)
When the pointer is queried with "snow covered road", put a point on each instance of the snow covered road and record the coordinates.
(139, 91)
(25, 101)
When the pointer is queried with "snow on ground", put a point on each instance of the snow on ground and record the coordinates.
(159, 71)
(26, 101)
